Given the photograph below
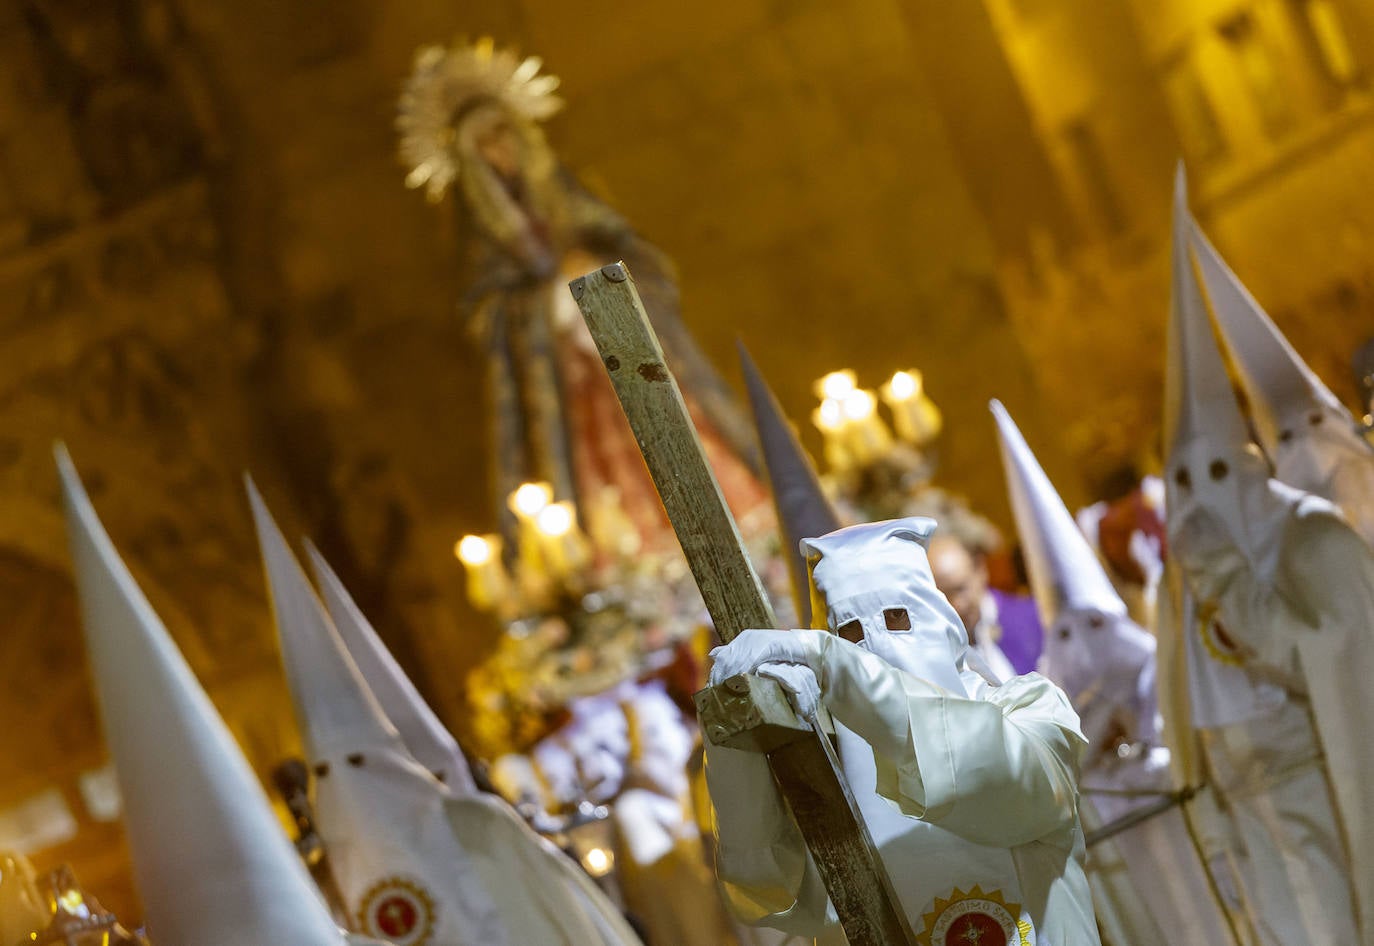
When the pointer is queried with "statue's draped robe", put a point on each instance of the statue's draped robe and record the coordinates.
(554, 414)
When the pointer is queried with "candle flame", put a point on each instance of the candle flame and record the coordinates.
(829, 416)
(858, 404)
(473, 550)
(529, 498)
(904, 385)
(836, 385)
(555, 519)
(597, 861)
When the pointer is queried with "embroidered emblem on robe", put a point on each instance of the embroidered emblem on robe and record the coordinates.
(397, 909)
(975, 918)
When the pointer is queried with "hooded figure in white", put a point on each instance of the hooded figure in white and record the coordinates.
(969, 790)
(407, 867)
(213, 866)
(1105, 662)
(510, 857)
(1272, 597)
(1316, 445)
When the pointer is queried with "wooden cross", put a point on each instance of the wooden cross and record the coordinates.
(748, 712)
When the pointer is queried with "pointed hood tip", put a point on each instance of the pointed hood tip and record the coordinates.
(803, 510)
(1277, 381)
(1064, 569)
(62, 456)
(1199, 400)
(312, 552)
(424, 735)
(250, 486)
(68, 479)
(334, 705)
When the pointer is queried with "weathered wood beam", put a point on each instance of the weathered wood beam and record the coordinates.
(806, 769)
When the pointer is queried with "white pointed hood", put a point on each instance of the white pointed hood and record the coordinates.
(1225, 515)
(400, 867)
(1315, 443)
(1221, 501)
(334, 706)
(861, 572)
(1065, 573)
(214, 867)
(1279, 385)
(1103, 660)
(1198, 401)
(801, 505)
(424, 735)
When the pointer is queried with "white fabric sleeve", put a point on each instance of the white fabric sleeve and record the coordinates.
(762, 862)
(998, 770)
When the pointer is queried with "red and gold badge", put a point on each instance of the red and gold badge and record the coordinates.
(975, 918)
(399, 910)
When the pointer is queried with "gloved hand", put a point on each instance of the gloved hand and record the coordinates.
(863, 691)
(800, 683)
(753, 648)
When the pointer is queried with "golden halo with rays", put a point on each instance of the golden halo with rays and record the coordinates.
(442, 82)
(975, 918)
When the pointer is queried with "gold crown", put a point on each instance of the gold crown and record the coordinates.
(442, 83)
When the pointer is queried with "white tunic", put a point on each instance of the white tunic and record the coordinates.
(1303, 615)
(972, 803)
(1161, 856)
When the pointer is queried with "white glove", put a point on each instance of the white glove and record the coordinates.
(863, 691)
(801, 685)
(753, 648)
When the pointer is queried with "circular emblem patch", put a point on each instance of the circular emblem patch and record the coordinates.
(399, 910)
(975, 918)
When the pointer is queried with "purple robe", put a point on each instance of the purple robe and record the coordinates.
(1022, 637)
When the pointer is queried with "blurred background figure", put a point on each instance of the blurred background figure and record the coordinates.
(1126, 527)
(1002, 626)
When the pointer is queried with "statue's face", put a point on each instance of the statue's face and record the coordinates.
(489, 136)
(507, 183)
(498, 145)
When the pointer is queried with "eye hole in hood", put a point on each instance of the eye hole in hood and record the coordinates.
(852, 631)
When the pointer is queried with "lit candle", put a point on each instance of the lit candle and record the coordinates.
(915, 416)
(835, 385)
(528, 498)
(526, 501)
(829, 420)
(865, 433)
(481, 558)
(561, 542)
